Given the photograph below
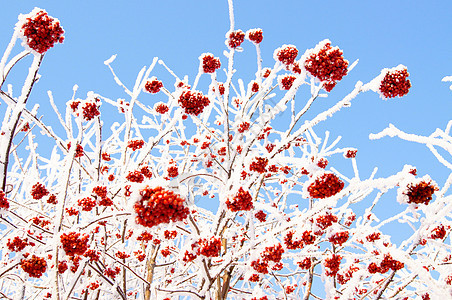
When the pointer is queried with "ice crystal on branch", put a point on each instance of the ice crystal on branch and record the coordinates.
(39, 31)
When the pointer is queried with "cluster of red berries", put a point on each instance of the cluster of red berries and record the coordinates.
(135, 144)
(286, 82)
(158, 205)
(78, 149)
(259, 165)
(255, 87)
(261, 216)
(122, 255)
(261, 298)
(40, 221)
(209, 63)
(351, 153)
(328, 65)
(110, 272)
(106, 156)
(34, 266)
(290, 243)
(169, 235)
(387, 263)
(255, 35)
(93, 255)
(395, 83)
(221, 88)
(235, 38)
(273, 253)
(325, 221)
(87, 203)
(373, 237)
(322, 163)
(332, 263)
(339, 238)
(305, 263)
(421, 193)
(38, 191)
(18, 244)
(173, 171)
(193, 103)
(209, 248)
(4, 204)
(161, 108)
(62, 267)
(135, 176)
(73, 244)
(286, 54)
(145, 236)
(243, 127)
(42, 32)
(52, 199)
(325, 186)
(344, 278)
(90, 110)
(260, 267)
(153, 86)
(241, 201)
(439, 232)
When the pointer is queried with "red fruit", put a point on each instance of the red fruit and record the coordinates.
(135, 144)
(34, 266)
(395, 83)
(3, 201)
(286, 54)
(241, 201)
(421, 193)
(209, 63)
(161, 108)
(255, 35)
(259, 165)
(325, 186)
(41, 31)
(235, 38)
(38, 191)
(261, 216)
(90, 110)
(193, 103)
(286, 82)
(87, 203)
(328, 65)
(73, 244)
(332, 263)
(153, 85)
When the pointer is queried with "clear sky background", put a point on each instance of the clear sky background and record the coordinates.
(378, 33)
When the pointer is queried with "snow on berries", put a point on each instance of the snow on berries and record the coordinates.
(161, 108)
(209, 63)
(234, 38)
(159, 205)
(241, 201)
(38, 191)
(74, 243)
(255, 35)
(325, 185)
(4, 204)
(327, 64)
(395, 83)
(153, 85)
(39, 31)
(285, 81)
(286, 54)
(417, 191)
(193, 102)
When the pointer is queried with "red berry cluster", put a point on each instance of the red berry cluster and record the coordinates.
(273, 253)
(259, 165)
(100, 191)
(87, 203)
(93, 285)
(4, 204)
(173, 171)
(110, 272)
(106, 156)
(373, 237)
(221, 88)
(339, 238)
(326, 220)
(62, 266)
(235, 38)
(387, 263)
(260, 267)
(169, 235)
(42, 32)
(17, 244)
(158, 205)
(287, 55)
(121, 255)
(290, 243)
(325, 186)
(261, 216)
(286, 82)
(145, 236)
(255, 87)
(153, 86)
(135, 144)
(241, 201)
(161, 108)
(439, 232)
(344, 278)
(210, 248)
(266, 72)
(305, 263)
(193, 103)
(322, 163)
(90, 110)
(261, 298)
(73, 244)
(40, 221)
(328, 65)
(243, 127)
(351, 153)
(52, 199)
(395, 83)
(92, 254)
(421, 193)
(34, 266)
(209, 63)
(135, 176)
(255, 35)
(254, 278)
(332, 263)
(38, 191)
